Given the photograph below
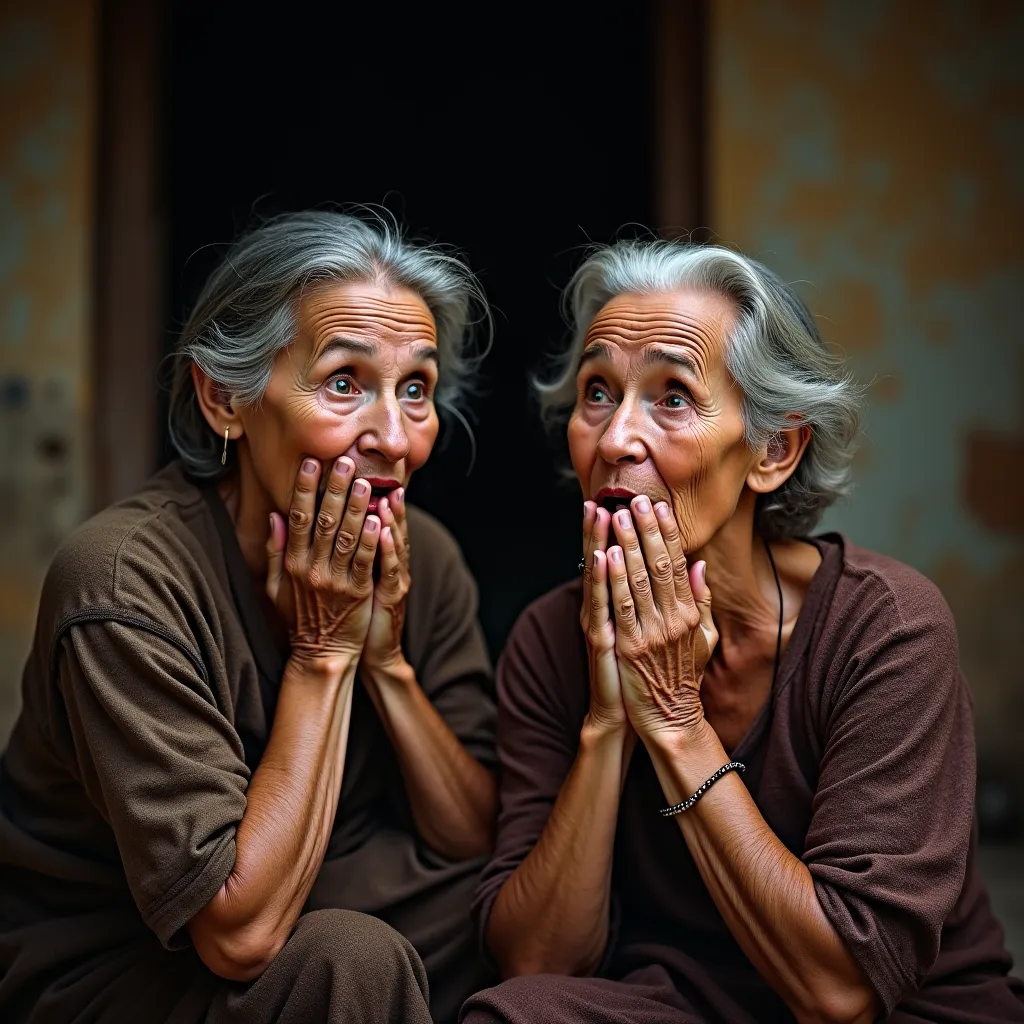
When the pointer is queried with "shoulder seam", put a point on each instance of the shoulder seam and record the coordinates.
(125, 618)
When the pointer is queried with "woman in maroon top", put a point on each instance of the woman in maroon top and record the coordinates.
(793, 708)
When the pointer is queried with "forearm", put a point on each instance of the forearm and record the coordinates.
(281, 840)
(765, 894)
(452, 796)
(552, 914)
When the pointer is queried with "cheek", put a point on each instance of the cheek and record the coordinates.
(583, 439)
(422, 435)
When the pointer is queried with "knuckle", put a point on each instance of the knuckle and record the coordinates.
(691, 618)
(293, 564)
(298, 518)
(679, 566)
(640, 581)
(346, 541)
(625, 608)
(663, 567)
(326, 522)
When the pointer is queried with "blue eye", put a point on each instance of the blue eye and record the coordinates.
(342, 386)
(596, 393)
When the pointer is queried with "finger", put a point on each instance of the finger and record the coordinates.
(399, 507)
(622, 603)
(656, 556)
(300, 512)
(702, 595)
(362, 562)
(600, 612)
(351, 527)
(388, 513)
(589, 508)
(390, 565)
(639, 581)
(674, 544)
(275, 555)
(331, 509)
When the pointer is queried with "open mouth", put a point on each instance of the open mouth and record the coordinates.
(379, 488)
(614, 498)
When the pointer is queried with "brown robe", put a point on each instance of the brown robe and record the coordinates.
(148, 699)
(863, 764)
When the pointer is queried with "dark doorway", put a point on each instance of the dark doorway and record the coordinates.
(518, 134)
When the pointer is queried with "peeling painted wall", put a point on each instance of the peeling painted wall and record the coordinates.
(875, 152)
(47, 55)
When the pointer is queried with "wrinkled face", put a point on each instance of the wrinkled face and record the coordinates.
(657, 411)
(358, 380)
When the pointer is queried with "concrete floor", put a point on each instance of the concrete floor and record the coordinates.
(1003, 869)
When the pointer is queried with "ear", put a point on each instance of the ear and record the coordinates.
(215, 403)
(779, 457)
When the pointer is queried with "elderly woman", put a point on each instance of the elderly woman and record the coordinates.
(744, 792)
(251, 780)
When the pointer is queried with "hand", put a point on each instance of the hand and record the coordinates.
(606, 707)
(319, 571)
(664, 632)
(383, 649)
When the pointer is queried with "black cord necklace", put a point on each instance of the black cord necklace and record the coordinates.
(778, 639)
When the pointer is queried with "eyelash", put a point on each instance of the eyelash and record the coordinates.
(346, 375)
(674, 388)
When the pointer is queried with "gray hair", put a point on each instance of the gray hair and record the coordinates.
(775, 354)
(245, 313)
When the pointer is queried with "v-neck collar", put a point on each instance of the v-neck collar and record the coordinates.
(269, 660)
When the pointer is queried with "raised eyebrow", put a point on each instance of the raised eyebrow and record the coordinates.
(596, 351)
(664, 355)
(426, 354)
(354, 345)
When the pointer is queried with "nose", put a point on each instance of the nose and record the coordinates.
(622, 440)
(385, 434)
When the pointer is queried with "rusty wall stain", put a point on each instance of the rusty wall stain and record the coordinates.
(874, 153)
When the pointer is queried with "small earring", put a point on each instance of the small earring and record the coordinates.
(224, 454)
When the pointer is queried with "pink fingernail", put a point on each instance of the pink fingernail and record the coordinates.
(623, 520)
(308, 466)
(643, 506)
(271, 522)
(385, 534)
(372, 524)
(400, 495)
(662, 511)
(342, 467)
(615, 555)
(360, 487)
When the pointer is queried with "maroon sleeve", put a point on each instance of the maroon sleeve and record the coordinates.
(542, 701)
(891, 819)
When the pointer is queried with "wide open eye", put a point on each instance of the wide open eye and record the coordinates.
(596, 391)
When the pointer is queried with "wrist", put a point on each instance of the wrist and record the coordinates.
(320, 666)
(393, 673)
(601, 732)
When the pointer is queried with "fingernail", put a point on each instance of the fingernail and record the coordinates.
(624, 520)
(703, 573)
(342, 467)
(400, 495)
(271, 522)
(385, 534)
(308, 466)
(596, 558)
(643, 506)
(615, 555)
(372, 524)
(662, 511)
(360, 487)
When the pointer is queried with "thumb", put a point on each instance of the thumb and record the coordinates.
(275, 554)
(702, 598)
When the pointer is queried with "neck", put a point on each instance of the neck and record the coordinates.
(249, 506)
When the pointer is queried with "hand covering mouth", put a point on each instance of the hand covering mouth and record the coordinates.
(614, 498)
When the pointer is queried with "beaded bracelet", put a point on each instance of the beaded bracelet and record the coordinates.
(686, 804)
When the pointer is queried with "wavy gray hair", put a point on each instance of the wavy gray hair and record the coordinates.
(775, 354)
(246, 311)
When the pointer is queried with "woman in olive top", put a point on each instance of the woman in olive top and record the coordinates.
(251, 780)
